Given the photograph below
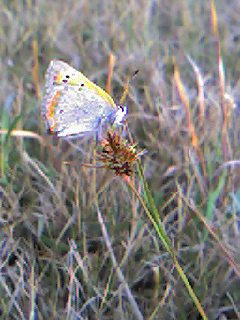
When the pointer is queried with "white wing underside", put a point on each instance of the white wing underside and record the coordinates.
(77, 110)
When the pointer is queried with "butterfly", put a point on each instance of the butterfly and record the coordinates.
(73, 105)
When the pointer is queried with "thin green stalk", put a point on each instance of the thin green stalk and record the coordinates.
(152, 213)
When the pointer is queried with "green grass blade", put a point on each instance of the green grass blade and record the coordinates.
(5, 121)
(153, 215)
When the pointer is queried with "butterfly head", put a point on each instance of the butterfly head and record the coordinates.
(120, 115)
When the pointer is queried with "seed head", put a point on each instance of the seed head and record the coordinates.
(117, 154)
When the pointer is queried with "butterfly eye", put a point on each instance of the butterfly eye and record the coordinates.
(123, 109)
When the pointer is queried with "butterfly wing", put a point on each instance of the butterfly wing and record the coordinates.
(72, 103)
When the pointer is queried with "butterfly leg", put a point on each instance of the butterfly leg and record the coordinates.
(99, 131)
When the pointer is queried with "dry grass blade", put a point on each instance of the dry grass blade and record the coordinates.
(214, 235)
(55, 262)
(134, 306)
(194, 138)
(24, 134)
(112, 61)
(35, 68)
(200, 83)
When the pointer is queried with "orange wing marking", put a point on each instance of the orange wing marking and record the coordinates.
(50, 111)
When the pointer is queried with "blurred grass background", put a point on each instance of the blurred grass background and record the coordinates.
(54, 259)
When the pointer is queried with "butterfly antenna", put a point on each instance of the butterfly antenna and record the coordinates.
(126, 87)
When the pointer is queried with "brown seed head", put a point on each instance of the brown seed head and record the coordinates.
(117, 154)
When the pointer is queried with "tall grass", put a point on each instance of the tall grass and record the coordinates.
(78, 242)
